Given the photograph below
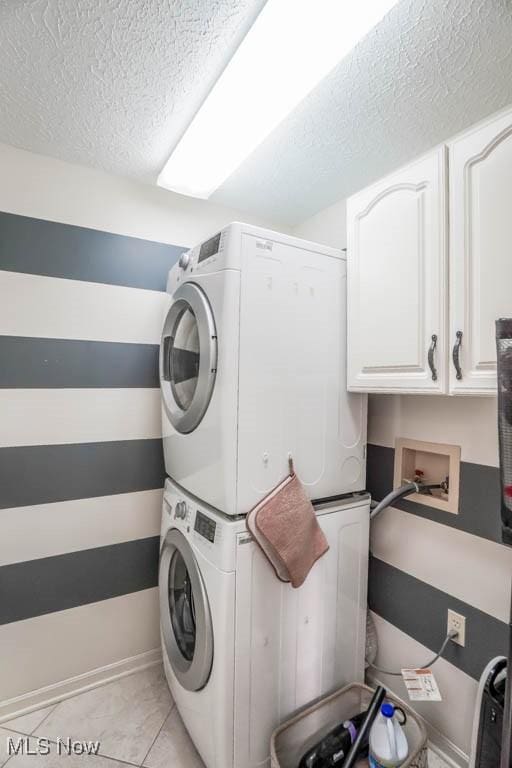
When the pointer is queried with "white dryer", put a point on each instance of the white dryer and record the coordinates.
(252, 369)
(242, 650)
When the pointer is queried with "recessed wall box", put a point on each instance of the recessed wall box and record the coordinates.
(431, 463)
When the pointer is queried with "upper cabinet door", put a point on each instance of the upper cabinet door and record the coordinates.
(397, 281)
(480, 251)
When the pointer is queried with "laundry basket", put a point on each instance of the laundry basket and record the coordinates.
(294, 737)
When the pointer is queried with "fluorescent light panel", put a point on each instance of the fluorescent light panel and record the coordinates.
(292, 45)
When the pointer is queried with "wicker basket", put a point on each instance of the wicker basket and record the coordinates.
(294, 737)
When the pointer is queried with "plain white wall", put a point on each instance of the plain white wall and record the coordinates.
(328, 227)
(46, 188)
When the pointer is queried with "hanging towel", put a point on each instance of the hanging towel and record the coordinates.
(284, 524)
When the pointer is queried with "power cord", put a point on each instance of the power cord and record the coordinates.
(452, 634)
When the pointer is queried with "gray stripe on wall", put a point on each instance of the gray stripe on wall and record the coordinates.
(40, 474)
(48, 248)
(479, 499)
(420, 611)
(50, 584)
(39, 363)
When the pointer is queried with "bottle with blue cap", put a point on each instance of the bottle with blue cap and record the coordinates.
(388, 742)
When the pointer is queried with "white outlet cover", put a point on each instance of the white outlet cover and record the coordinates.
(458, 622)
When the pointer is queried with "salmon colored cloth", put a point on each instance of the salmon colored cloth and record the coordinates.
(284, 525)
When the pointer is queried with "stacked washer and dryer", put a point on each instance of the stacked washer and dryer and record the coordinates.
(252, 371)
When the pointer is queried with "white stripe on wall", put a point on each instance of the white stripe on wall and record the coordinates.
(48, 649)
(32, 305)
(43, 530)
(452, 717)
(472, 569)
(470, 422)
(56, 416)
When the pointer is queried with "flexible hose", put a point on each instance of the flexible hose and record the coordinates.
(387, 501)
(404, 490)
(450, 636)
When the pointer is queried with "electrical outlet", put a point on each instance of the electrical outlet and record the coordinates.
(457, 622)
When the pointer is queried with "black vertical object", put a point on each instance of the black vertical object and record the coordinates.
(504, 359)
(364, 729)
(506, 739)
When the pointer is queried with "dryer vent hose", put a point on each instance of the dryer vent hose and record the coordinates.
(398, 493)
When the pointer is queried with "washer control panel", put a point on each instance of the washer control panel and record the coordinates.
(205, 526)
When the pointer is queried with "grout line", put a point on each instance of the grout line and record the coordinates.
(100, 755)
(52, 708)
(17, 733)
(32, 734)
(115, 760)
(88, 689)
(2, 765)
(159, 732)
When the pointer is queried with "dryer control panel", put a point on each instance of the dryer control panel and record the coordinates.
(209, 248)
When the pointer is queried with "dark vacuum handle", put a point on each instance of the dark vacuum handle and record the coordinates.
(371, 714)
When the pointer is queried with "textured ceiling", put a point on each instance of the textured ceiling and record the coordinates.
(430, 69)
(114, 83)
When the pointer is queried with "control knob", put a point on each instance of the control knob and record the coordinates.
(181, 510)
(184, 260)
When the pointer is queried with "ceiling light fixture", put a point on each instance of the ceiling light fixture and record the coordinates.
(292, 45)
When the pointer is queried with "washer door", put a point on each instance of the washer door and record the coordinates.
(188, 358)
(184, 613)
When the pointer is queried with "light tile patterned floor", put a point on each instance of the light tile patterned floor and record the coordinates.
(434, 761)
(134, 718)
(125, 716)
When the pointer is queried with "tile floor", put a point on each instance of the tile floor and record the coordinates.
(434, 761)
(134, 719)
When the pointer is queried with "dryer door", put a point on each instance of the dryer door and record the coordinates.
(185, 613)
(188, 358)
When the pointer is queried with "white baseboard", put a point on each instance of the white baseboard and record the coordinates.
(437, 741)
(51, 694)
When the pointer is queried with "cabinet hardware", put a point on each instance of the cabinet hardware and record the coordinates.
(431, 357)
(456, 355)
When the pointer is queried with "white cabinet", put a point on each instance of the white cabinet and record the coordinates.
(480, 249)
(397, 268)
(397, 281)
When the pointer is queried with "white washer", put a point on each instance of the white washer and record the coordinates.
(243, 650)
(252, 368)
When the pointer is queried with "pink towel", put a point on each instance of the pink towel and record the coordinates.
(284, 524)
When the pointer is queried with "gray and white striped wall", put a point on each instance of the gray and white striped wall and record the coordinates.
(81, 467)
(83, 264)
(425, 561)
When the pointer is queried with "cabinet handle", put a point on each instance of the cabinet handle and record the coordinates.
(456, 355)
(431, 351)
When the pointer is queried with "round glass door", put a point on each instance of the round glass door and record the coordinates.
(181, 606)
(184, 358)
(187, 630)
(188, 358)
